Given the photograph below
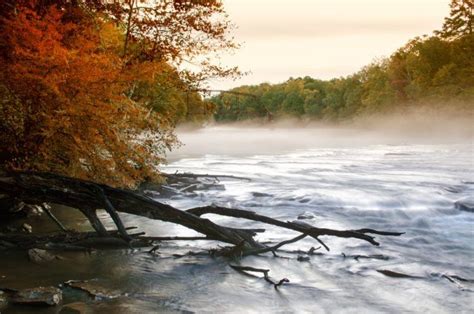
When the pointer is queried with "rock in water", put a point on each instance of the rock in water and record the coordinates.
(3, 299)
(260, 194)
(38, 296)
(41, 256)
(33, 210)
(465, 204)
(302, 258)
(306, 215)
(94, 288)
(27, 228)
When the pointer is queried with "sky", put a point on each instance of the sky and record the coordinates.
(321, 38)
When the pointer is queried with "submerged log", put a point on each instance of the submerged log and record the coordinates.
(37, 188)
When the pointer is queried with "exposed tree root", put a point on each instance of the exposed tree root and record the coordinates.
(37, 188)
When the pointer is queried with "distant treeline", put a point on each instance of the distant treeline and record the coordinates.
(433, 71)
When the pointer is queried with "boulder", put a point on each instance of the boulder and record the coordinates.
(38, 296)
(94, 288)
(40, 256)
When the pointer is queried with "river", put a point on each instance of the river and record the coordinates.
(337, 178)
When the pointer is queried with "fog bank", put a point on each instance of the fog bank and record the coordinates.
(256, 138)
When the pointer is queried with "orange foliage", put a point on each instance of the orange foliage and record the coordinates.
(91, 89)
(64, 102)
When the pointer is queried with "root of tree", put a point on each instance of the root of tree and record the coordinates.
(88, 197)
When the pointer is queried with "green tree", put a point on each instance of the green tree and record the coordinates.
(377, 92)
(428, 71)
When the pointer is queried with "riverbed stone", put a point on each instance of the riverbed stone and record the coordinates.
(306, 215)
(3, 299)
(95, 289)
(27, 228)
(38, 296)
(261, 194)
(33, 210)
(302, 258)
(40, 256)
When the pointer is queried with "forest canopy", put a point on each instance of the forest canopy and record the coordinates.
(435, 72)
(93, 89)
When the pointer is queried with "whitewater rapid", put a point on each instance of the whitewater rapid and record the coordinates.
(336, 178)
(348, 182)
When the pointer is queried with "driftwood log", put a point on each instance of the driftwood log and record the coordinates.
(88, 197)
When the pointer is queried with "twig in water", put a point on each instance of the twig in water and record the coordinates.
(154, 249)
(246, 269)
(275, 247)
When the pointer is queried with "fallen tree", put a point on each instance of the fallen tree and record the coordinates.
(88, 197)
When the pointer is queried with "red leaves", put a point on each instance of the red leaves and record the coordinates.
(71, 85)
(77, 89)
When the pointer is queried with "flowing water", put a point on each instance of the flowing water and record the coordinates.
(342, 179)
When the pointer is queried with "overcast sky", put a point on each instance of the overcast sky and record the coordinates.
(322, 38)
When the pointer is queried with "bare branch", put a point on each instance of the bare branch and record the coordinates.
(297, 226)
(275, 247)
(246, 269)
(48, 212)
(36, 188)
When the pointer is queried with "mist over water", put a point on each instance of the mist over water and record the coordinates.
(396, 174)
(389, 175)
(286, 135)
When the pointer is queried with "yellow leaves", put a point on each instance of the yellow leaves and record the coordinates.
(111, 37)
(77, 106)
(79, 113)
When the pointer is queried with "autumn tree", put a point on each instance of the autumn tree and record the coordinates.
(168, 95)
(189, 35)
(76, 79)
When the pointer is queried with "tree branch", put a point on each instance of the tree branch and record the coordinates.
(297, 226)
(36, 188)
(246, 269)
